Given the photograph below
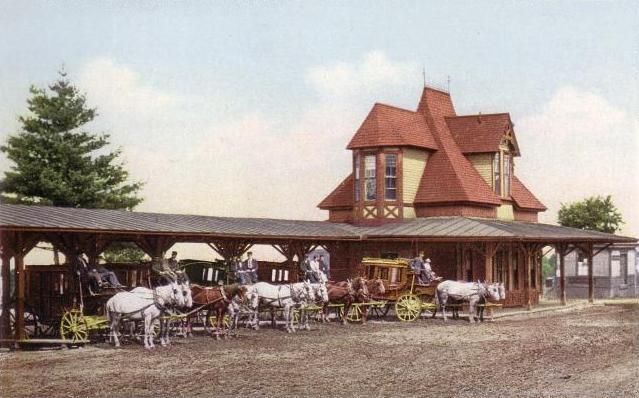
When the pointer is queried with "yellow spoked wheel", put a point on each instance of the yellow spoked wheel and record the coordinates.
(73, 327)
(226, 322)
(354, 313)
(296, 317)
(408, 307)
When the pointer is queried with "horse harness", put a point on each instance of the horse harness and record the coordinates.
(280, 298)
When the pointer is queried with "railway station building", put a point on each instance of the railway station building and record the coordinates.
(421, 180)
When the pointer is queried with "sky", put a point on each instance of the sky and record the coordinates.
(245, 108)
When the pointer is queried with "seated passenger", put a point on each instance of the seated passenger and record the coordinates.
(161, 268)
(108, 276)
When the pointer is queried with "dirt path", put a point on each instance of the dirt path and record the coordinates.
(591, 352)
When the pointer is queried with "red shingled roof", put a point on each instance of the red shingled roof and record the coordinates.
(524, 199)
(342, 196)
(449, 176)
(479, 133)
(390, 126)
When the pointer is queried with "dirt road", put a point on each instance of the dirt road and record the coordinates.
(591, 352)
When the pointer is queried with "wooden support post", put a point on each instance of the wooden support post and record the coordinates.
(20, 287)
(562, 277)
(5, 328)
(591, 278)
(562, 250)
(527, 261)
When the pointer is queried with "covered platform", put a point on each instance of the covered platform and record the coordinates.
(461, 247)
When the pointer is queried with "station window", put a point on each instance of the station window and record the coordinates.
(497, 172)
(369, 177)
(357, 179)
(390, 179)
(507, 171)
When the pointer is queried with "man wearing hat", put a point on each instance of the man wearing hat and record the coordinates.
(417, 265)
(426, 273)
(250, 267)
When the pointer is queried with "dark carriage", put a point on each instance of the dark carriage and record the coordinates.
(60, 304)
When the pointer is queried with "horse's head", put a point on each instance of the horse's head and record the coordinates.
(321, 292)
(377, 286)
(491, 291)
(241, 292)
(349, 287)
(361, 287)
(187, 294)
(175, 295)
(307, 291)
(502, 291)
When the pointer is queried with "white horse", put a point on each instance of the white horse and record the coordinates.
(471, 292)
(286, 297)
(127, 306)
(319, 297)
(239, 306)
(185, 289)
(501, 288)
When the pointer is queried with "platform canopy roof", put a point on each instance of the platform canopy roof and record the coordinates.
(47, 219)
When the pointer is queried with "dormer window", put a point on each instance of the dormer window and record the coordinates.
(507, 172)
(370, 185)
(390, 178)
(356, 167)
(497, 173)
(502, 173)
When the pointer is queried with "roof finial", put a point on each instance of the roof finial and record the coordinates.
(448, 81)
(424, 74)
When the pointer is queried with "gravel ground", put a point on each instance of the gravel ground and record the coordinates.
(585, 352)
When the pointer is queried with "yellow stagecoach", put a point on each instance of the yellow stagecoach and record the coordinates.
(407, 297)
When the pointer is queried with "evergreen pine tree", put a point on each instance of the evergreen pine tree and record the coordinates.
(57, 162)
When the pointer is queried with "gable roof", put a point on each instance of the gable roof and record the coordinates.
(342, 196)
(448, 176)
(387, 125)
(524, 199)
(480, 133)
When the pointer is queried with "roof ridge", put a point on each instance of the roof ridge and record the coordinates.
(478, 114)
(394, 107)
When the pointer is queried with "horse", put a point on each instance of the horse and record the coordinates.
(319, 296)
(286, 297)
(502, 296)
(165, 327)
(238, 307)
(346, 293)
(217, 300)
(129, 306)
(470, 292)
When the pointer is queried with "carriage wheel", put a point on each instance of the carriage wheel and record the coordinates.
(355, 313)
(210, 326)
(73, 327)
(31, 324)
(408, 307)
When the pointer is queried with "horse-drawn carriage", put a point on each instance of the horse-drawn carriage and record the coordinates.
(401, 290)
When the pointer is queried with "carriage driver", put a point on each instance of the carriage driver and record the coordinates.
(422, 269)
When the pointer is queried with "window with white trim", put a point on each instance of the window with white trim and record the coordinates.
(369, 177)
(497, 172)
(390, 177)
(357, 179)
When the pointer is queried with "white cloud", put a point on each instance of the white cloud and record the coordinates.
(580, 145)
(118, 88)
(374, 72)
